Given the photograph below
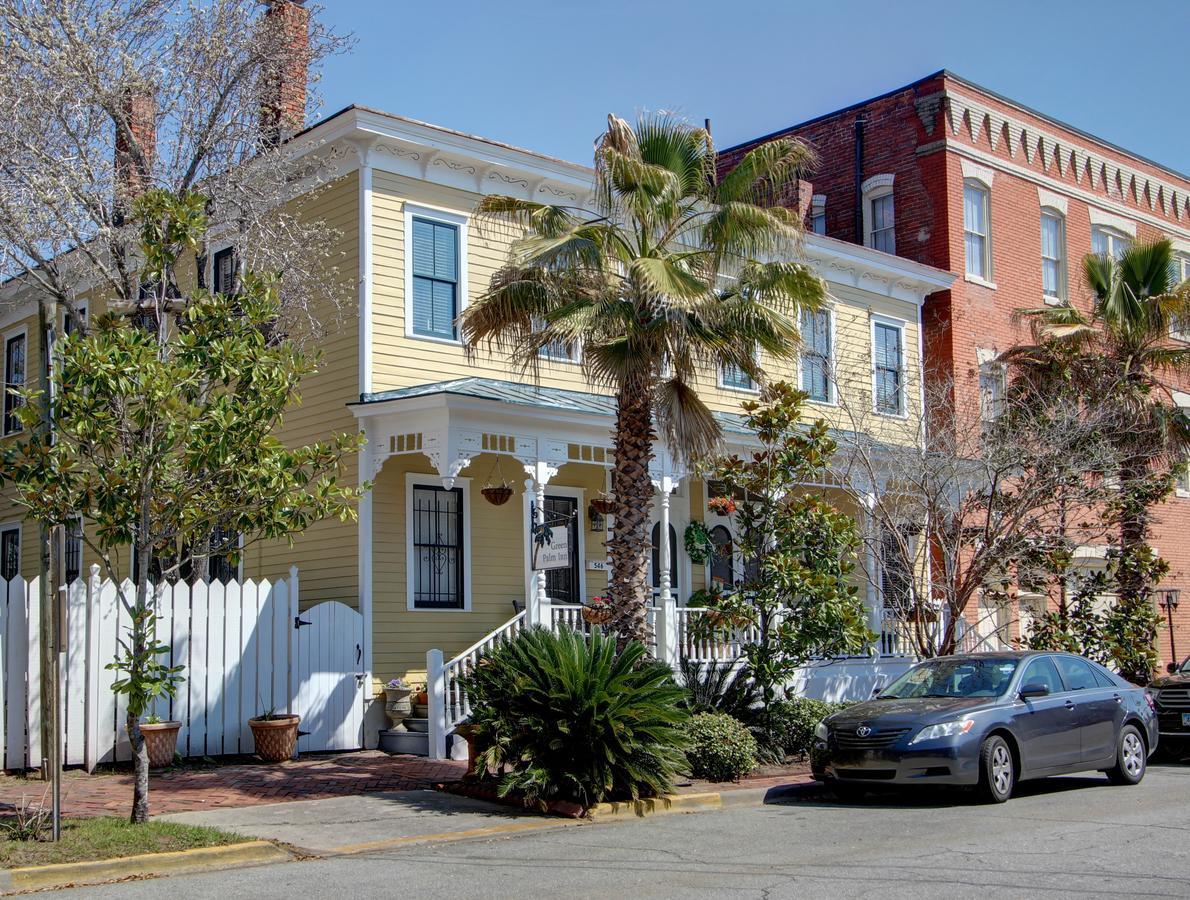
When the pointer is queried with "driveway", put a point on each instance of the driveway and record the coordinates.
(1066, 837)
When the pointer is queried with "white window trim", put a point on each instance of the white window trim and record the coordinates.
(15, 525)
(446, 217)
(874, 320)
(986, 187)
(1114, 233)
(724, 386)
(1063, 288)
(22, 331)
(1104, 219)
(1053, 201)
(832, 384)
(1182, 255)
(413, 479)
(579, 494)
(575, 359)
(873, 189)
(214, 250)
(1182, 401)
(973, 171)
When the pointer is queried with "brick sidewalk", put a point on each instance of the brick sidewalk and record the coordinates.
(246, 784)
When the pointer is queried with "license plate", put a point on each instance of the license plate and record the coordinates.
(1186, 720)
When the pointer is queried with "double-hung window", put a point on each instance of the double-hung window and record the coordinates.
(10, 552)
(1053, 256)
(1108, 242)
(818, 214)
(14, 380)
(883, 234)
(437, 559)
(224, 272)
(977, 234)
(734, 377)
(816, 354)
(1179, 271)
(435, 251)
(889, 368)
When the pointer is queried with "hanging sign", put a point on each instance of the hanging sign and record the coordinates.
(554, 553)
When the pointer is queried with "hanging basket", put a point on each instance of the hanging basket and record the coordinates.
(605, 506)
(498, 495)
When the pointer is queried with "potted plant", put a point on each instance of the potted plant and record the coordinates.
(496, 492)
(275, 735)
(397, 705)
(722, 506)
(161, 740)
(598, 612)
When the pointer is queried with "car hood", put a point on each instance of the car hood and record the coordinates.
(922, 710)
(1165, 681)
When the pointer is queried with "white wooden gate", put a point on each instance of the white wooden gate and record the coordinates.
(241, 650)
(328, 677)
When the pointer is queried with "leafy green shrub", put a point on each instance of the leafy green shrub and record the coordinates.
(794, 719)
(721, 748)
(567, 718)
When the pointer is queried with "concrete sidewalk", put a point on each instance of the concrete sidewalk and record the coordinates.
(371, 821)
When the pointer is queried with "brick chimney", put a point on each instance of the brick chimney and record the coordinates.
(283, 103)
(133, 174)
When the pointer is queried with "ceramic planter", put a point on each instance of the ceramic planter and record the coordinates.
(398, 706)
(161, 741)
(275, 737)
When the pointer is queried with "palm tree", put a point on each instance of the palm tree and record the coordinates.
(1121, 358)
(674, 273)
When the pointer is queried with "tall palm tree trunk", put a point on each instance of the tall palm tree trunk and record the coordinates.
(632, 490)
(1134, 531)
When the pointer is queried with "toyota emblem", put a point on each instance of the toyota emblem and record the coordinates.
(863, 731)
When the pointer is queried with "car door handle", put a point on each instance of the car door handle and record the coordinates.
(1069, 704)
(1118, 698)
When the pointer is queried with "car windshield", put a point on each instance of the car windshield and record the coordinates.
(1185, 667)
(953, 678)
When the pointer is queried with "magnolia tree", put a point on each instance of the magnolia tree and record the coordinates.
(955, 500)
(164, 443)
(796, 598)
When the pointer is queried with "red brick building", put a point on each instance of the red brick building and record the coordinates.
(950, 174)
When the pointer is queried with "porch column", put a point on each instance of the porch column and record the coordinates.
(537, 610)
(667, 618)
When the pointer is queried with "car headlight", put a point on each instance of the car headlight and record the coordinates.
(944, 730)
(821, 731)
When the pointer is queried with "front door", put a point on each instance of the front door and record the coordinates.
(562, 585)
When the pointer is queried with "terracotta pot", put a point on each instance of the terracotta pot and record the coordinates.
(276, 738)
(161, 740)
(497, 496)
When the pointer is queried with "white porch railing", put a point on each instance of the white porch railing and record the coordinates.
(571, 616)
(895, 634)
(448, 700)
(721, 647)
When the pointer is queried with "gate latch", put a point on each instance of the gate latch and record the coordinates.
(298, 622)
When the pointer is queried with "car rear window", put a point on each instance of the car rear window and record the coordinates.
(1078, 675)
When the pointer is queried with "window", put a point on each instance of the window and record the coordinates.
(883, 236)
(993, 379)
(224, 276)
(673, 556)
(10, 552)
(558, 350)
(977, 230)
(72, 556)
(722, 558)
(222, 562)
(1076, 674)
(70, 324)
(564, 585)
(437, 565)
(818, 214)
(1179, 271)
(896, 573)
(1042, 671)
(1108, 242)
(816, 354)
(889, 366)
(732, 376)
(435, 252)
(14, 380)
(1053, 255)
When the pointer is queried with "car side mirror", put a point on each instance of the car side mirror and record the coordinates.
(877, 689)
(1171, 667)
(1034, 689)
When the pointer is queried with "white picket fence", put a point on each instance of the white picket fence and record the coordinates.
(242, 649)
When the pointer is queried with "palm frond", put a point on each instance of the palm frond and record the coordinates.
(690, 427)
(766, 174)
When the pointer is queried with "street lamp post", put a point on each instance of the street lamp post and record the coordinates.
(1169, 603)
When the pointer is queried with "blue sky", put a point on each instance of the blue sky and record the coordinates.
(544, 75)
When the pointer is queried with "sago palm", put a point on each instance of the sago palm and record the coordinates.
(673, 274)
(1122, 358)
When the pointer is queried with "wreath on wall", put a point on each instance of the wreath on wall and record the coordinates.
(699, 546)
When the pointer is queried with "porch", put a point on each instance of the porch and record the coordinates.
(445, 563)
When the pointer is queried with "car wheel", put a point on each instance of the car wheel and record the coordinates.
(1131, 758)
(997, 771)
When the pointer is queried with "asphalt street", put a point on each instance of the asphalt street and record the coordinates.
(1065, 837)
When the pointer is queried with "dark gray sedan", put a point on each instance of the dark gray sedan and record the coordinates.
(989, 720)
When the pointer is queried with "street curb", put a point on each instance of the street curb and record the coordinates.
(40, 878)
(444, 837)
(685, 803)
